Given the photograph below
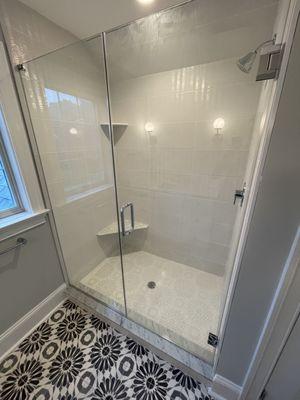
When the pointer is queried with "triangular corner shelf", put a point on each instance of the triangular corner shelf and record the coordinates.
(118, 130)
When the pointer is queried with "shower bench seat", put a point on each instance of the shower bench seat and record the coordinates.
(113, 228)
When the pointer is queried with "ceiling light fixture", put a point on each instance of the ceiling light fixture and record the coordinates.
(145, 2)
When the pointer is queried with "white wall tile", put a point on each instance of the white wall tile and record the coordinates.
(186, 171)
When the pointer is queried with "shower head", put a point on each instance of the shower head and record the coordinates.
(246, 62)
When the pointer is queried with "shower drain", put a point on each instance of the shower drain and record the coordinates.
(151, 285)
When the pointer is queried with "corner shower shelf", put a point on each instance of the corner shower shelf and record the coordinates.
(118, 130)
(113, 228)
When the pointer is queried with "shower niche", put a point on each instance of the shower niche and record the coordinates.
(171, 76)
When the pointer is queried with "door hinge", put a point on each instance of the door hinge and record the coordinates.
(20, 67)
(213, 339)
(270, 62)
(263, 395)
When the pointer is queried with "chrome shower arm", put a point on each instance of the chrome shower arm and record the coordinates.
(264, 43)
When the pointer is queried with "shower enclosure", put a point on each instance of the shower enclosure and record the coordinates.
(144, 135)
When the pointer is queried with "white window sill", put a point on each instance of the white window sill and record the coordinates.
(18, 223)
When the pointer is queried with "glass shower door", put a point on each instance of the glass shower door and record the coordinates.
(186, 127)
(184, 120)
(67, 100)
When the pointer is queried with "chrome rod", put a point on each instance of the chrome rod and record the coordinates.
(20, 232)
(132, 216)
(20, 242)
(123, 220)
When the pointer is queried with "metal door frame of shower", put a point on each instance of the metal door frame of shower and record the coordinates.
(109, 109)
(249, 206)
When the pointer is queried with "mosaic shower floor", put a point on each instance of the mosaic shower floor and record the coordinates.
(74, 355)
(183, 307)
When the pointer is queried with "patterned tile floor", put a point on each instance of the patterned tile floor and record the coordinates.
(74, 355)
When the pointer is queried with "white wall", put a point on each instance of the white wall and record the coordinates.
(199, 32)
(28, 34)
(28, 275)
(90, 18)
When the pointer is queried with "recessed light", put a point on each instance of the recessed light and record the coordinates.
(145, 2)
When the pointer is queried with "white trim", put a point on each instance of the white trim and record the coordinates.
(223, 389)
(273, 358)
(16, 333)
(272, 318)
(255, 181)
(22, 222)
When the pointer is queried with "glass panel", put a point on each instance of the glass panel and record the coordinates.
(67, 99)
(184, 126)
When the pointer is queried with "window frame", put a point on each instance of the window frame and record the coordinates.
(8, 170)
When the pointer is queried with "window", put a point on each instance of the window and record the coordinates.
(10, 201)
(82, 153)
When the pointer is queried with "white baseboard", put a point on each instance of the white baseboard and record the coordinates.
(16, 333)
(223, 389)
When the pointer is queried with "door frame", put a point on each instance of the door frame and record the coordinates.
(285, 30)
(284, 346)
(281, 318)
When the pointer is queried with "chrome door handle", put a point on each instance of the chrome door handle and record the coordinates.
(239, 194)
(123, 225)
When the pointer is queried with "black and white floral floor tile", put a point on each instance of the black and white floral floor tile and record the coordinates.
(74, 355)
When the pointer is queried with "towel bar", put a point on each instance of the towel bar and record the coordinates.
(20, 242)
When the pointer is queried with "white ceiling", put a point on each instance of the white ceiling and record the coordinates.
(201, 32)
(85, 18)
